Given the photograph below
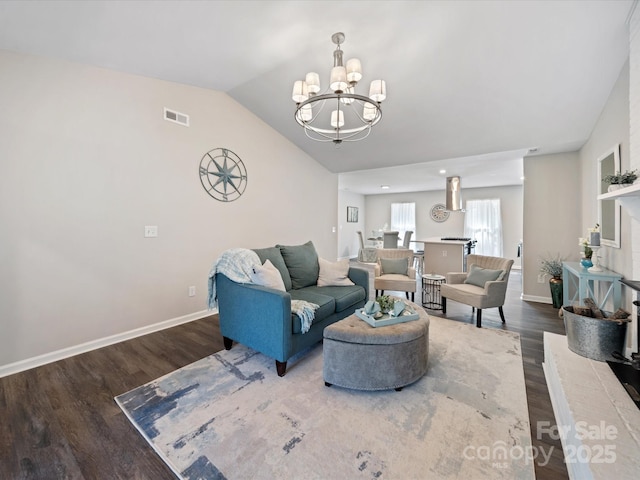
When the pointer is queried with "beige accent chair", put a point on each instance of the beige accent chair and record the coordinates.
(493, 293)
(395, 281)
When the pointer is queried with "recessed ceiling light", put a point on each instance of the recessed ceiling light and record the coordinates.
(443, 171)
(384, 187)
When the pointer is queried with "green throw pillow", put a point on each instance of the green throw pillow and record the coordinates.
(399, 266)
(273, 254)
(302, 263)
(478, 276)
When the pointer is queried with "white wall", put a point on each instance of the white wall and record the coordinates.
(611, 128)
(552, 192)
(378, 212)
(86, 160)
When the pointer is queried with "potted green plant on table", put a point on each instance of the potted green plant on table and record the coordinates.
(386, 303)
(593, 236)
(621, 180)
(552, 266)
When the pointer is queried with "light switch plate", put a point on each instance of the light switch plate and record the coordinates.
(150, 231)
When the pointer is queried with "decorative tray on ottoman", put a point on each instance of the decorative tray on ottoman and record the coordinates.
(407, 315)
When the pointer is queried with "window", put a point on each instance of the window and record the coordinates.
(483, 222)
(403, 218)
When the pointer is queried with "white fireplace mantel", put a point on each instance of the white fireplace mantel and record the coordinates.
(600, 424)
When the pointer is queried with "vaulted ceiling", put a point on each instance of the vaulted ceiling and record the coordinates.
(471, 85)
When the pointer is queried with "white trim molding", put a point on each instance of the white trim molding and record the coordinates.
(40, 360)
(535, 298)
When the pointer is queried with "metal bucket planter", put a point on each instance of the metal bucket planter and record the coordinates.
(593, 337)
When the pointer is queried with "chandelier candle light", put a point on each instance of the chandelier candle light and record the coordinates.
(349, 116)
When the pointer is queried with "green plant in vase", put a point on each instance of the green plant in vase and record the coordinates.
(552, 266)
(620, 180)
(386, 303)
(626, 178)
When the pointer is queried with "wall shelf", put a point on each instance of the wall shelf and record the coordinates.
(629, 198)
(633, 190)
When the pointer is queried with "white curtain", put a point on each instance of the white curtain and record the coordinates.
(483, 222)
(403, 218)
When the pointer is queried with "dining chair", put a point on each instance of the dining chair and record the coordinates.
(366, 254)
(407, 239)
(390, 239)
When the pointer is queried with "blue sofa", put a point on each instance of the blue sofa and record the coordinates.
(260, 317)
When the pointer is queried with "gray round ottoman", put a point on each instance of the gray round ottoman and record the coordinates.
(359, 356)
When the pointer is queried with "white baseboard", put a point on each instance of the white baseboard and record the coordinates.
(40, 360)
(535, 298)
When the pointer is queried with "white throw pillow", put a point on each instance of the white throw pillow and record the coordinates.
(267, 276)
(334, 273)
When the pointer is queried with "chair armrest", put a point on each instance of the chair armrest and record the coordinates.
(496, 289)
(411, 272)
(456, 277)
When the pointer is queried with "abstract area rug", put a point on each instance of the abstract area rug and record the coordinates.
(230, 416)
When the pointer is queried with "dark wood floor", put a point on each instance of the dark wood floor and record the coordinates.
(60, 420)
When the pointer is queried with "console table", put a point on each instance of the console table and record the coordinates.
(582, 280)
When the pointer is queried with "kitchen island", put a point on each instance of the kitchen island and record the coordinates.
(446, 254)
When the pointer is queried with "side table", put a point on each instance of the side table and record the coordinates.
(581, 282)
(431, 298)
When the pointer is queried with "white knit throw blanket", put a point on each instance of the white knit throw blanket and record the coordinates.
(236, 264)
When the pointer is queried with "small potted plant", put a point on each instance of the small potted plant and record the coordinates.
(552, 266)
(586, 253)
(621, 180)
(386, 303)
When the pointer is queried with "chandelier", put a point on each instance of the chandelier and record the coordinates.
(338, 114)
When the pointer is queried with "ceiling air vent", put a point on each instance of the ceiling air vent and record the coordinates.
(176, 117)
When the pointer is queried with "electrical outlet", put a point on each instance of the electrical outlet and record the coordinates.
(192, 291)
(444, 253)
(541, 278)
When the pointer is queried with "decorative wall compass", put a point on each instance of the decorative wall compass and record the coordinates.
(223, 175)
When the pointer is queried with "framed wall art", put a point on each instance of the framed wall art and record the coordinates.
(352, 214)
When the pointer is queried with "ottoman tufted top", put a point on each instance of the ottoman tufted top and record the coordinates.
(354, 330)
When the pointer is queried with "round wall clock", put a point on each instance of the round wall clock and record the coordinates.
(439, 213)
(223, 175)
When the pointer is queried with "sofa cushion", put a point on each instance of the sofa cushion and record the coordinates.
(326, 303)
(333, 273)
(345, 296)
(267, 275)
(478, 276)
(274, 255)
(394, 265)
(302, 263)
